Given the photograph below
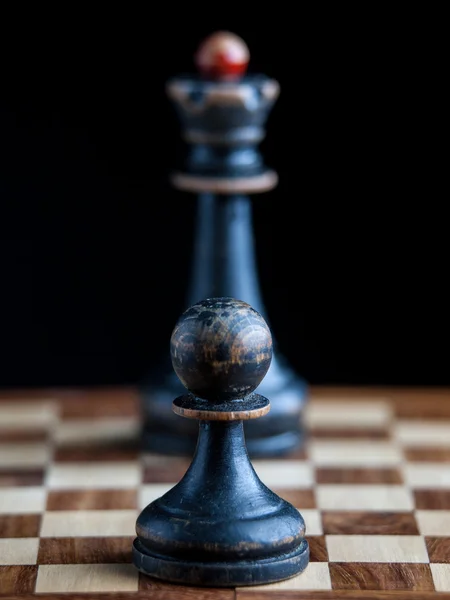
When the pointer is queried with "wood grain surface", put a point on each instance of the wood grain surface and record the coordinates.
(373, 483)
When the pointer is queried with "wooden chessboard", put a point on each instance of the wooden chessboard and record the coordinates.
(373, 484)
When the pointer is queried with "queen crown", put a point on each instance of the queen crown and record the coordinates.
(223, 112)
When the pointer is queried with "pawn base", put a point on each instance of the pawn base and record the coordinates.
(221, 574)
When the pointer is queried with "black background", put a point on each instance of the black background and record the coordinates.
(95, 246)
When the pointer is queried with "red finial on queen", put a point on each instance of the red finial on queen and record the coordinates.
(222, 56)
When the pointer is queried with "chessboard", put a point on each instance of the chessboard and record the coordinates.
(372, 482)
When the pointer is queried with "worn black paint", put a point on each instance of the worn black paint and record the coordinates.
(220, 525)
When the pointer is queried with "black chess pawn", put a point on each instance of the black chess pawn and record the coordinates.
(223, 111)
(220, 525)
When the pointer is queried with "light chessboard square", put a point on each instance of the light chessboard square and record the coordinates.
(149, 459)
(24, 455)
(87, 578)
(27, 415)
(152, 491)
(125, 499)
(313, 521)
(100, 431)
(89, 523)
(18, 551)
(295, 474)
(431, 434)
(354, 453)
(22, 500)
(441, 577)
(433, 522)
(394, 498)
(118, 475)
(427, 475)
(316, 576)
(377, 548)
(370, 414)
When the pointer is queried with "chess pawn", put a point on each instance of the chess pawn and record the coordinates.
(220, 525)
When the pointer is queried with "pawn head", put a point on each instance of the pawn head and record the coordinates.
(221, 349)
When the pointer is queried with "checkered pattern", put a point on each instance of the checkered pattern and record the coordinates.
(373, 485)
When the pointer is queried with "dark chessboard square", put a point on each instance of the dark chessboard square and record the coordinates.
(182, 592)
(350, 433)
(369, 523)
(80, 550)
(20, 478)
(427, 454)
(26, 435)
(358, 476)
(299, 498)
(381, 576)
(97, 453)
(92, 500)
(101, 403)
(165, 473)
(432, 499)
(19, 526)
(317, 548)
(438, 549)
(18, 579)
(420, 407)
(297, 454)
